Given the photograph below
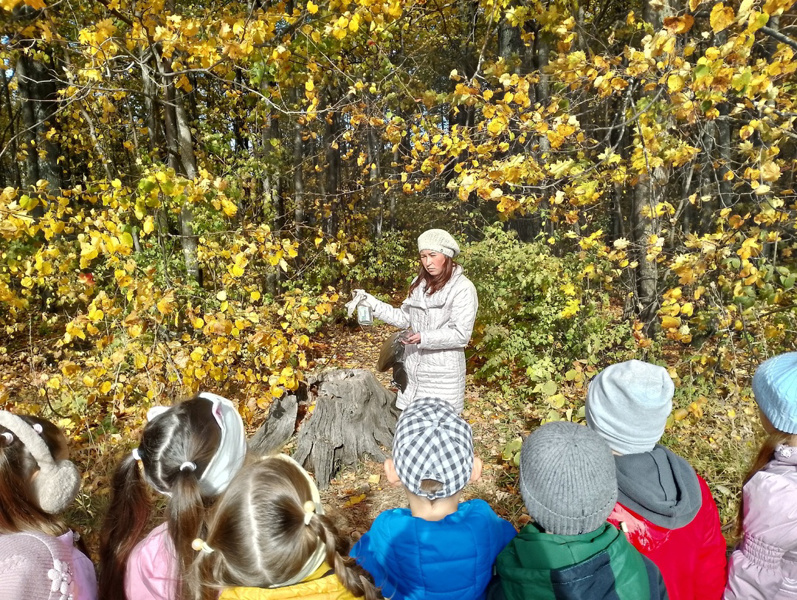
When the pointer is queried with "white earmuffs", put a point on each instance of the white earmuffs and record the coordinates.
(58, 482)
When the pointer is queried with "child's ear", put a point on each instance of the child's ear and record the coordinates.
(477, 470)
(390, 473)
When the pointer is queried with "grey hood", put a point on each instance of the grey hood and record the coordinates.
(659, 486)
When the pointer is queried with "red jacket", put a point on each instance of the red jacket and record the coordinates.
(692, 559)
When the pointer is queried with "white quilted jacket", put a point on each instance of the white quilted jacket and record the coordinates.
(436, 366)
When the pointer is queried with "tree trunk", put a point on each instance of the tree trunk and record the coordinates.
(353, 415)
(46, 109)
(647, 194)
(298, 180)
(26, 88)
(374, 181)
(181, 159)
(13, 175)
(332, 170)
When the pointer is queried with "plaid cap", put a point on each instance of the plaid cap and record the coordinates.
(433, 442)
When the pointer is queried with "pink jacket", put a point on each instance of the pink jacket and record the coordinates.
(36, 566)
(152, 568)
(764, 567)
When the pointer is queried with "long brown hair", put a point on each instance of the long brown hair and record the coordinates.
(765, 455)
(259, 538)
(19, 510)
(434, 284)
(187, 432)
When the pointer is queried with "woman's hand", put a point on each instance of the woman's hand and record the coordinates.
(415, 338)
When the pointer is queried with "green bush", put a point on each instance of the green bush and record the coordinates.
(538, 313)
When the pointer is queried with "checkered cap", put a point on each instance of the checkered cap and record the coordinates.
(433, 442)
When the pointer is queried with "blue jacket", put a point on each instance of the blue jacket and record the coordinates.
(451, 559)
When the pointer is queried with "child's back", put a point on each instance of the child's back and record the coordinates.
(568, 483)
(597, 565)
(451, 558)
(764, 566)
(665, 508)
(437, 549)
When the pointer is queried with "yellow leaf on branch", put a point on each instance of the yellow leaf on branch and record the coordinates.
(721, 17)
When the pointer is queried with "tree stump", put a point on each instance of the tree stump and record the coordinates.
(277, 428)
(352, 416)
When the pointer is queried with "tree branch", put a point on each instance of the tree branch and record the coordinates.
(784, 39)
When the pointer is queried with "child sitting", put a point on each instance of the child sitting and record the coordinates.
(764, 567)
(188, 452)
(438, 548)
(570, 552)
(665, 508)
(37, 482)
(268, 539)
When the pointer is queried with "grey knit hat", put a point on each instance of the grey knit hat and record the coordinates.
(438, 240)
(567, 478)
(775, 389)
(433, 442)
(628, 404)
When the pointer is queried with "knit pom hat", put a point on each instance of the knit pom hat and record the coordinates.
(567, 478)
(438, 240)
(628, 404)
(775, 389)
(433, 442)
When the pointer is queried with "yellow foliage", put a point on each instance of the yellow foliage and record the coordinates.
(721, 17)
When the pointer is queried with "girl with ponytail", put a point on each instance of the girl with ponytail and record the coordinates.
(189, 453)
(268, 539)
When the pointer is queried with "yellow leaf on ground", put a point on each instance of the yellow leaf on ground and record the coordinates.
(354, 500)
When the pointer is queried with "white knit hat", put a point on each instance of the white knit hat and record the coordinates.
(438, 240)
(628, 404)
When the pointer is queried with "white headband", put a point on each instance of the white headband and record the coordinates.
(232, 447)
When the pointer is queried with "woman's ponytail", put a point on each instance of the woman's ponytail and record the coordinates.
(124, 524)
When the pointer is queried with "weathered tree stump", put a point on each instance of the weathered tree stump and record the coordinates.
(352, 416)
(278, 427)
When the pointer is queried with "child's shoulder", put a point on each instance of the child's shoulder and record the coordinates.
(32, 560)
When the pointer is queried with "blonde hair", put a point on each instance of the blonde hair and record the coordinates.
(262, 536)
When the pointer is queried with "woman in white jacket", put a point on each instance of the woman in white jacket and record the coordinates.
(440, 310)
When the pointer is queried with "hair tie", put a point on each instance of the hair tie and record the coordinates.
(9, 437)
(201, 545)
(37, 428)
(309, 511)
(136, 454)
(188, 466)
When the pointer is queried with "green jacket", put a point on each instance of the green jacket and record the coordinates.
(600, 565)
